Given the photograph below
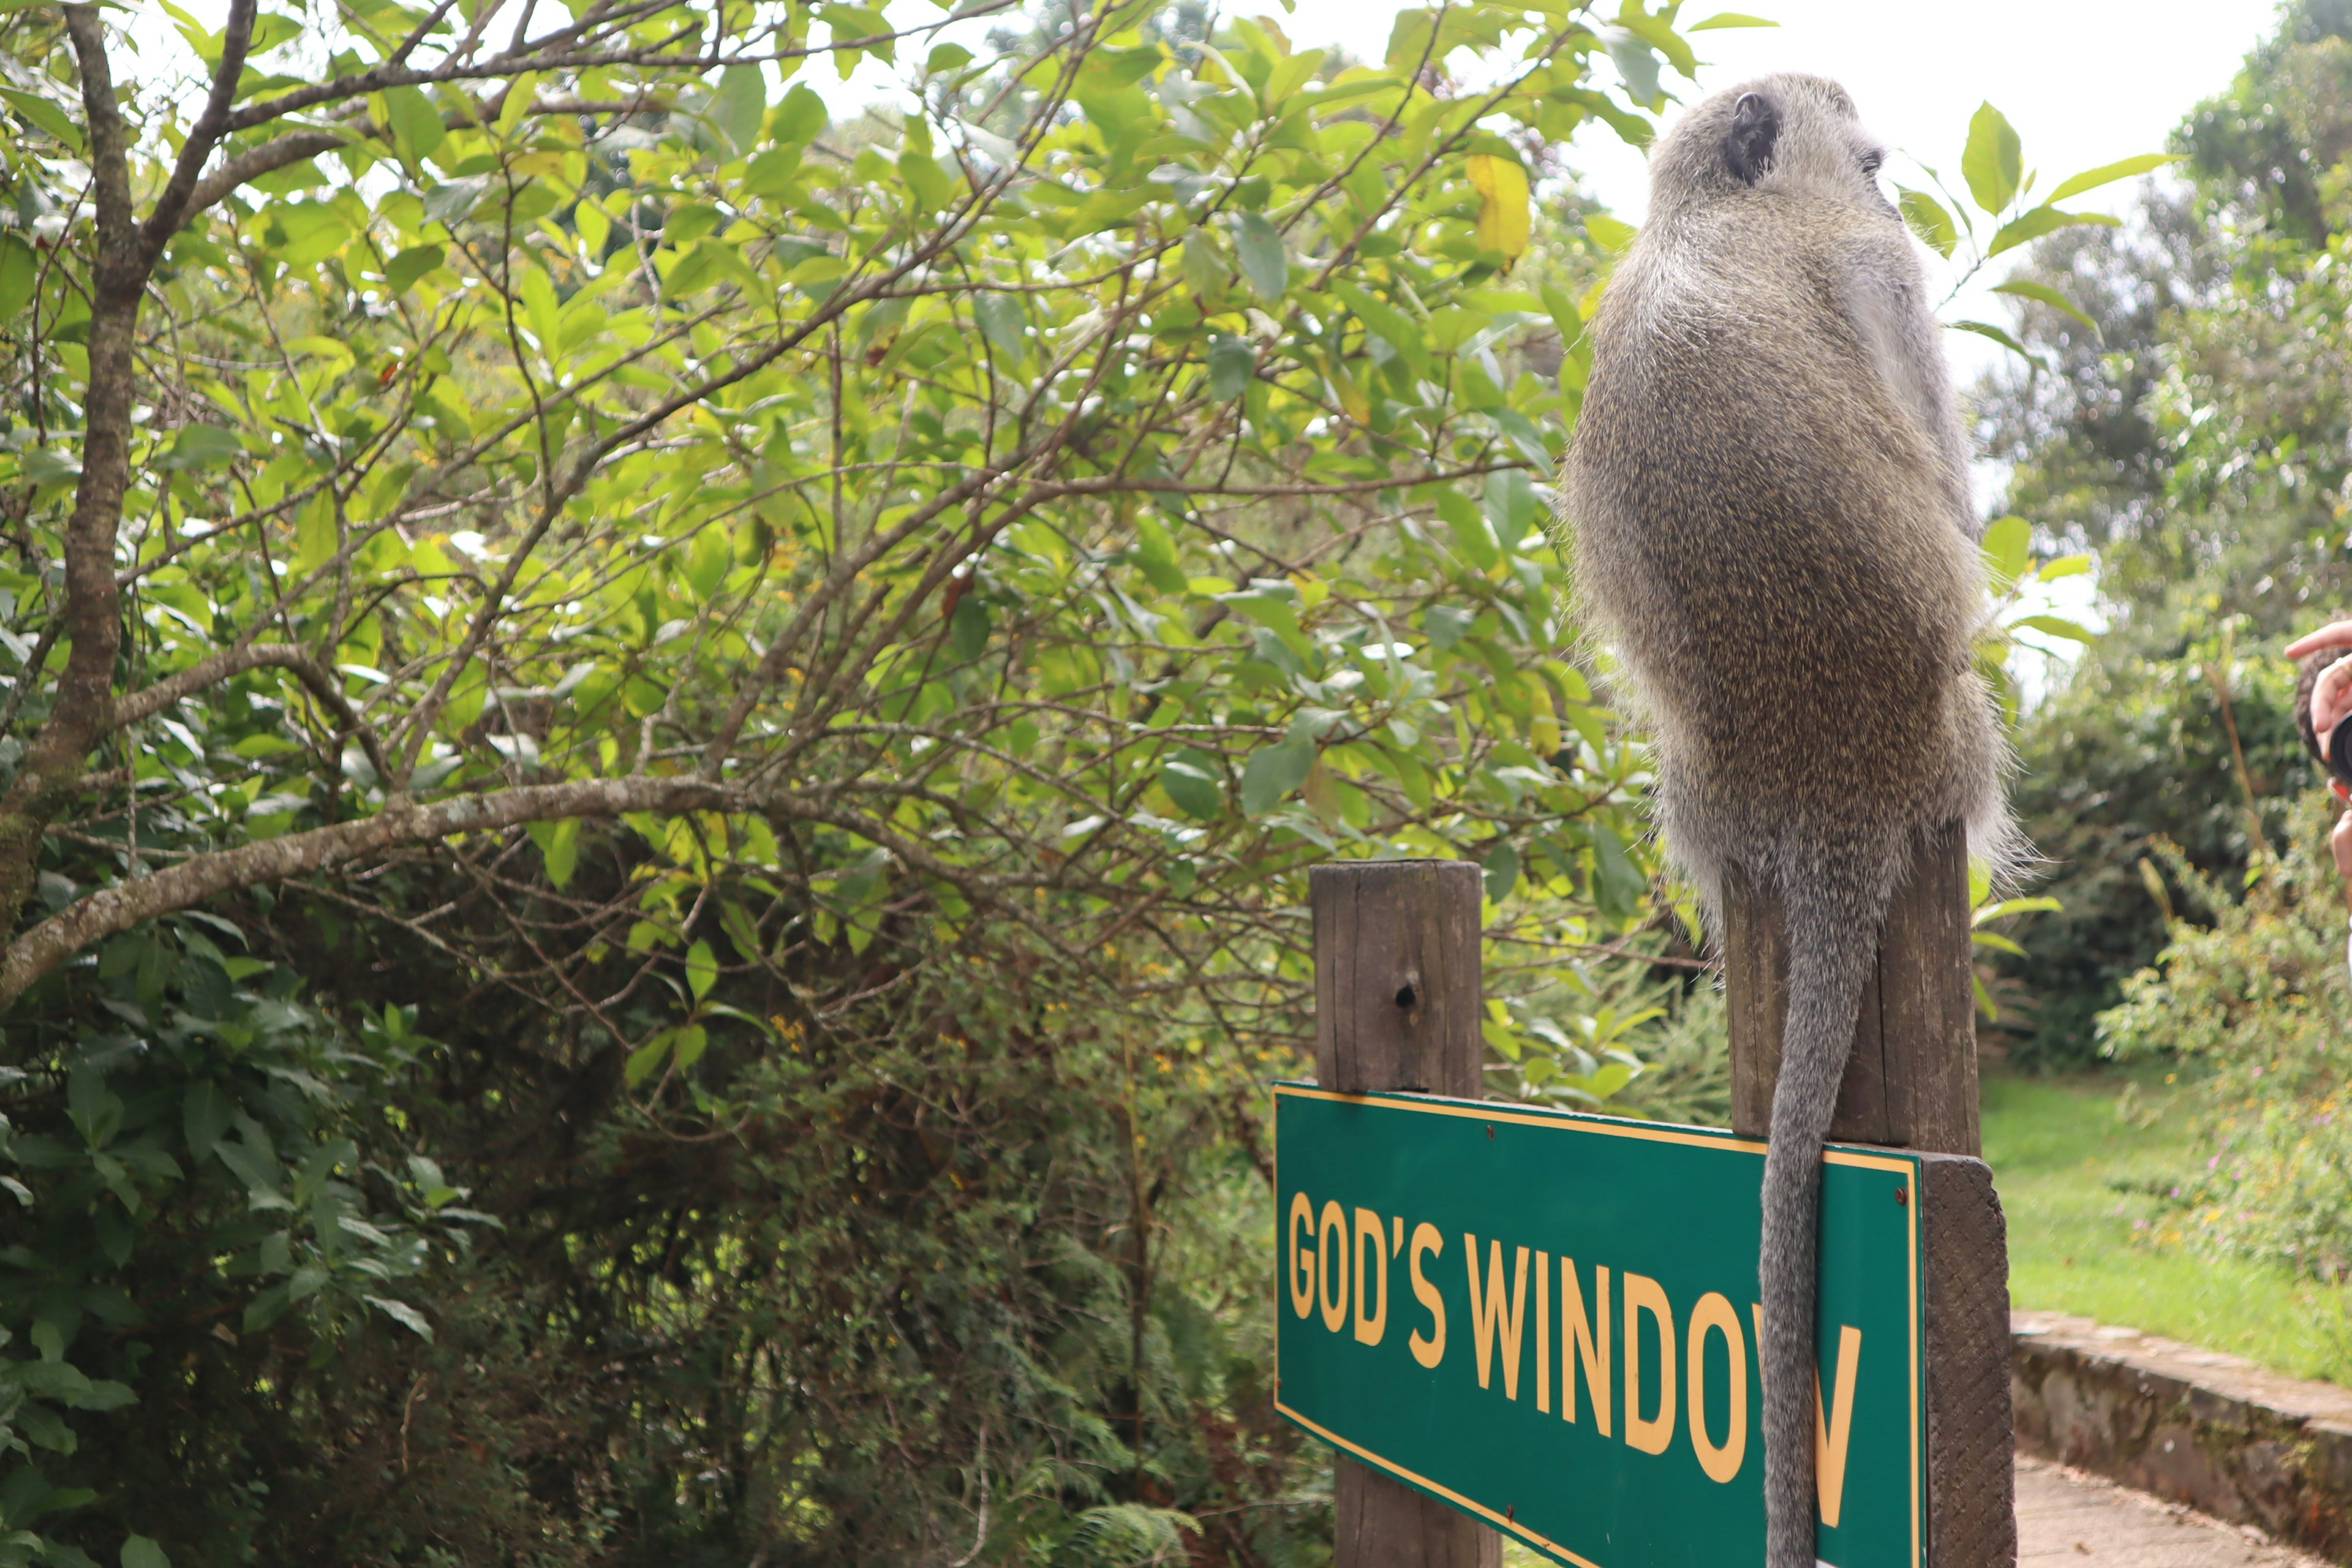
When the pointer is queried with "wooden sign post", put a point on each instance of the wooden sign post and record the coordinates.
(1398, 999)
(1387, 1195)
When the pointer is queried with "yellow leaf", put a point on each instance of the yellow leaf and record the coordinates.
(1350, 395)
(1502, 186)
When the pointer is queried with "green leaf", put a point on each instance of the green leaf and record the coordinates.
(315, 540)
(1278, 613)
(735, 110)
(1612, 235)
(1473, 535)
(560, 852)
(2044, 220)
(1264, 261)
(707, 558)
(1410, 39)
(801, 119)
(968, 628)
(2062, 566)
(204, 1116)
(1728, 19)
(644, 1059)
(1998, 335)
(47, 116)
(520, 93)
(1994, 939)
(20, 271)
(2016, 907)
(701, 969)
(1385, 322)
(256, 1169)
(1618, 888)
(1994, 161)
(541, 310)
(1928, 220)
(1191, 781)
(2057, 626)
(1274, 771)
(399, 1312)
(1155, 553)
(416, 127)
(2042, 293)
(1446, 623)
(449, 203)
(1003, 323)
(2008, 548)
(1502, 870)
(304, 232)
(1232, 363)
(1637, 63)
(202, 446)
(404, 269)
(1511, 507)
(46, 1427)
(1563, 313)
(2109, 174)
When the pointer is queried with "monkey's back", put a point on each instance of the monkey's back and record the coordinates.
(1764, 529)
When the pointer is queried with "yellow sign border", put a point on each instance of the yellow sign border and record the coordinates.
(1643, 1131)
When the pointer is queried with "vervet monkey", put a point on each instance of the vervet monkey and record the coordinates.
(1769, 497)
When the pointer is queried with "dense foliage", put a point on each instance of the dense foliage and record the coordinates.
(2199, 441)
(2256, 1004)
(2195, 436)
(796, 667)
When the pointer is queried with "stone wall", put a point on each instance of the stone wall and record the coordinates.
(2216, 1432)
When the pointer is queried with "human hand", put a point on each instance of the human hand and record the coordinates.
(2340, 841)
(2335, 634)
(2331, 698)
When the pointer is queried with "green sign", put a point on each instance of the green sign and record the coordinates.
(1548, 1321)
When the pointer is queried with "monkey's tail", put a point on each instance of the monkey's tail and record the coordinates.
(1833, 923)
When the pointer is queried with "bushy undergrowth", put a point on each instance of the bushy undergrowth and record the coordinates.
(2258, 1001)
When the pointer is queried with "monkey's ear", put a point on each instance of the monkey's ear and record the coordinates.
(1755, 130)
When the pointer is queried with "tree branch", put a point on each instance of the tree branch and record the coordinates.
(268, 158)
(92, 613)
(114, 910)
(316, 678)
(172, 206)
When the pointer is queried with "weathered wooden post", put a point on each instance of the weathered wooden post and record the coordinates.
(1912, 1084)
(1397, 1006)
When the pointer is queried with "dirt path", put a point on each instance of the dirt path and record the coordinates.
(2067, 1517)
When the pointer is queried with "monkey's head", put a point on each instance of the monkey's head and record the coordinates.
(1791, 134)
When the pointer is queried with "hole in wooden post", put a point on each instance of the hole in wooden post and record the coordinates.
(1406, 996)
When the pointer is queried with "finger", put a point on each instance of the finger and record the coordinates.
(2331, 698)
(2340, 842)
(2335, 634)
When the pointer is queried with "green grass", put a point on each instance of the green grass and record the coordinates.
(2059, 1149)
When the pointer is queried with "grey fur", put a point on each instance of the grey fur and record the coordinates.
(1768, 498)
